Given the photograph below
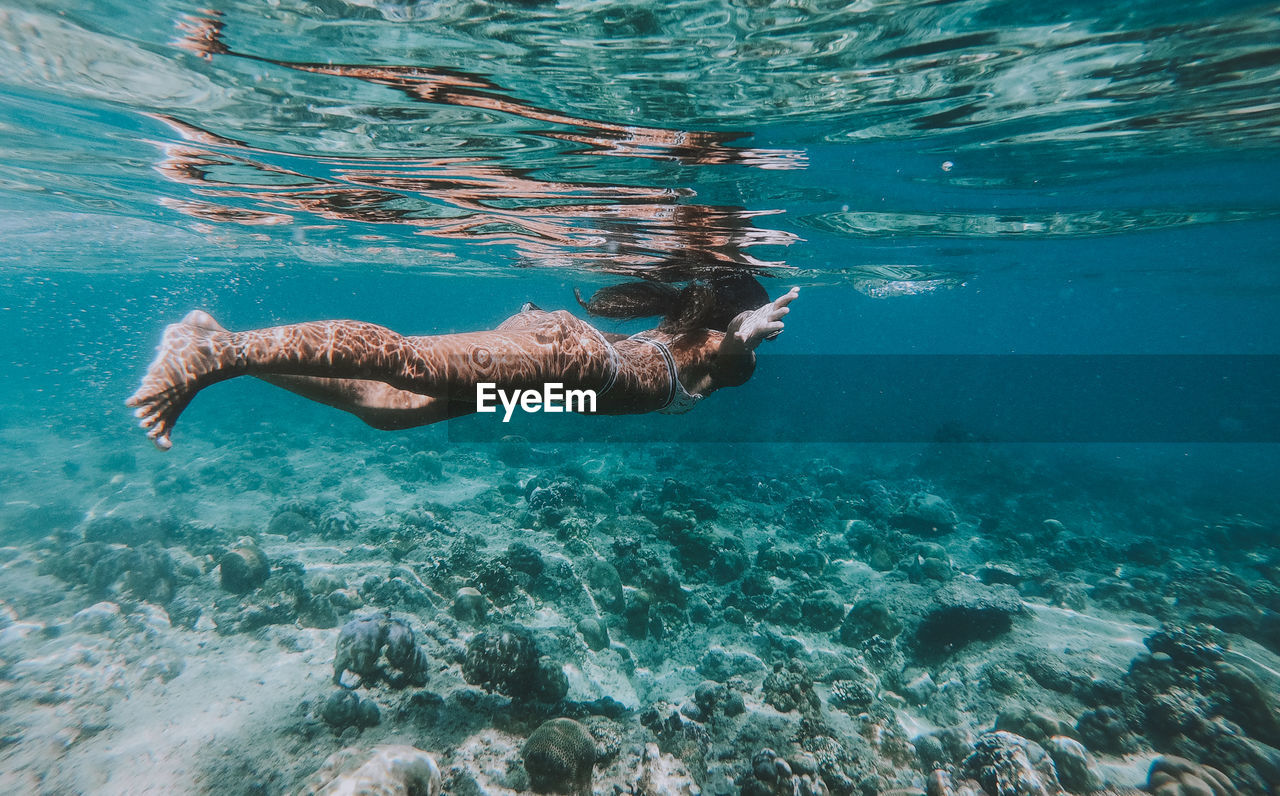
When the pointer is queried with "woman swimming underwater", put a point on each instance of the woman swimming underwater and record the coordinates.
(706, 341)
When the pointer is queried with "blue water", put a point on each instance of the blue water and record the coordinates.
(976, 177)
(963, 179)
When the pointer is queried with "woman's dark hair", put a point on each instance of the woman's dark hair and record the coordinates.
(704, 304)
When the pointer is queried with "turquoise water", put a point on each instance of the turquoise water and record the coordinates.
(964, 180)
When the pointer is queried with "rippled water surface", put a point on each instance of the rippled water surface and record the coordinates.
(886, 145)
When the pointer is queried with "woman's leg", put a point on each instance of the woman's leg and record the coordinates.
(196, 353)
(380, 405)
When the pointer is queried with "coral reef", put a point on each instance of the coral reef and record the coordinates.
(559, 758)
(116, 571)
(629, 623)
(379, 649)
(1175, 776)
(770, 775)
(387, 770)
(243, 567)
(507, 661)
(1005, 764)
(965, 612)
(926, 513)
(345, 709)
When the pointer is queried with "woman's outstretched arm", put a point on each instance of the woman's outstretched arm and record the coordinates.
(711, 360)
(751, 328)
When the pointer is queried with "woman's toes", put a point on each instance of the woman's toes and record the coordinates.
(161, 439)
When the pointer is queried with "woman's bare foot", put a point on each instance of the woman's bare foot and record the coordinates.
(753, 327)
(184, 360)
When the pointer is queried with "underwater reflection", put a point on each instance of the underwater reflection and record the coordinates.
(616, 228)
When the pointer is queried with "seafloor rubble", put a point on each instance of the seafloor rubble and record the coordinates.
(260, 616)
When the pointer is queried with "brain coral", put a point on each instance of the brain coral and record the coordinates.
(559, 758)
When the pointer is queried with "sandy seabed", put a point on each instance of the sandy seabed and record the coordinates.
(867, 615)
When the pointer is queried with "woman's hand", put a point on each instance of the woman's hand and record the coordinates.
(752, 327)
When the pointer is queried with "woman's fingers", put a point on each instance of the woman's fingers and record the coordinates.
(775, 312)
